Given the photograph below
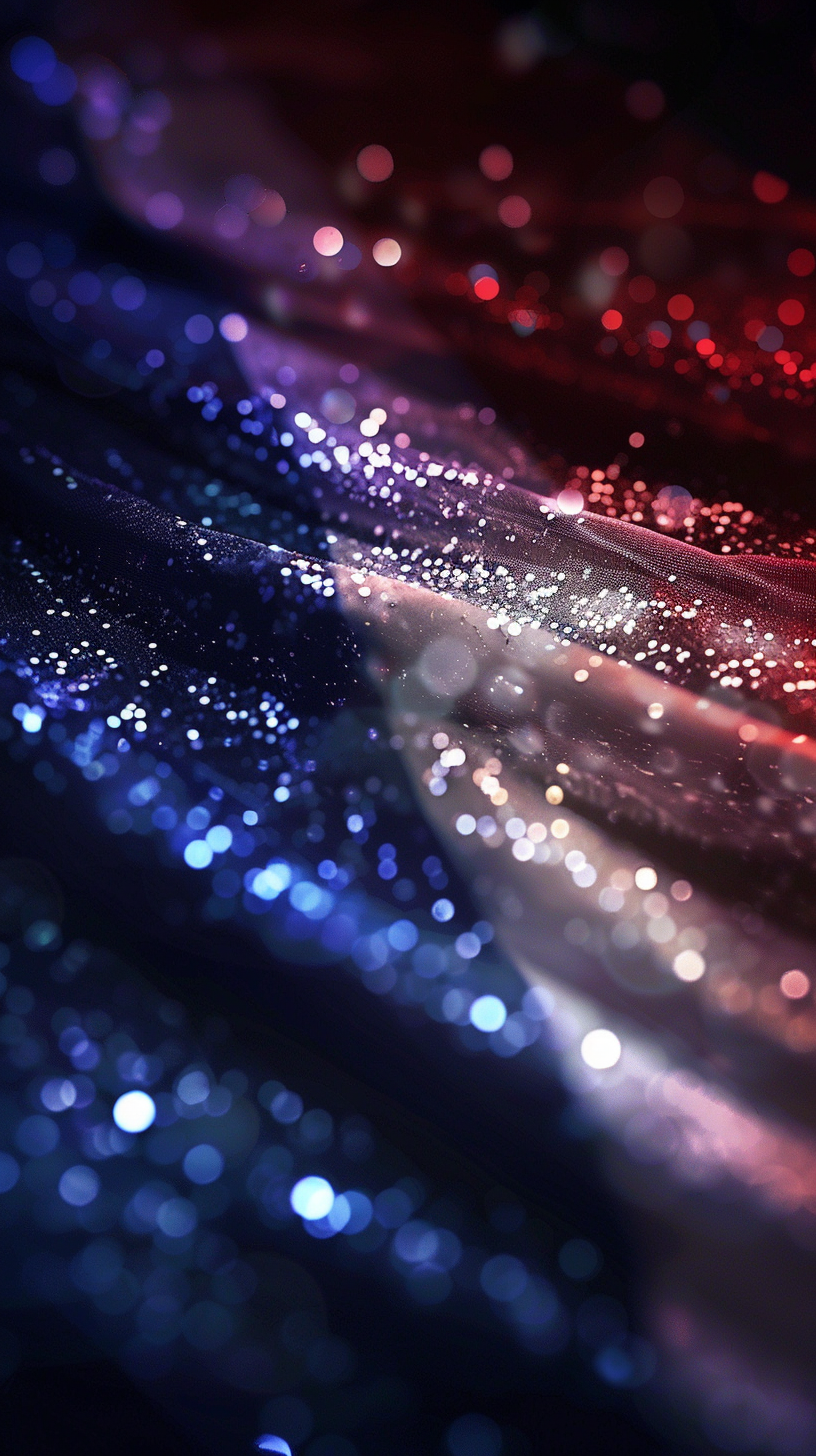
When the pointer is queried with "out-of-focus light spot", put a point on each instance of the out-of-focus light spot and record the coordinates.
(663, 197)
(327, 241)
(340, 1214)
(614, 262)
(57, 88)
(57, 166)
(442, 910)
(688, 965)
(659, 334)
(164, 210)
(85, 288)
(794, 985)
(286, 1107)
(570, 502)
(40, 934)
(128, 294)
(244, 191)
(522, 40)
(403, 935)
(375, 163)
(274, 1443)
(495, 163)
(392, 1207)
(312, 901)
(791, 312)
(58, 1094)
(387, 252)
(176, 1218)
(37, 1136)
(474, 1435)
(24, 260)
(230, 221)
(486, 289)
(642, 288)
(601, 1049)
(312, 1198)
(481, 270)
(770, 339)
(199, 328)
(515, 211)
(612, 319)
(636, 439)
(579, 1259)
(645, 878)
(78, 1186)
(9, 1172)
(134, 1111)
(488, 1013)
(504, 1278)
(338, 406)
(193, 1088)
(801, 262)
(644, 100)
(233, 327)
(362, 1212)
(768, 188)
(270, 211)
(203, 1164)
(680, 306)
(197, 854)
(32, 59)
(219, 838)
(468, 945)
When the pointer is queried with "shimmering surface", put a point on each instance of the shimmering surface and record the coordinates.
(429, 733)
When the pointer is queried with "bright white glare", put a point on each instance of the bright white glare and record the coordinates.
(601, 1049)
(134, 1111)
(488, 1013)
(688, 965)
(312, 1198)
(387, 252)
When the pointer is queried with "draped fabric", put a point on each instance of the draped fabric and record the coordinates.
(407, 891)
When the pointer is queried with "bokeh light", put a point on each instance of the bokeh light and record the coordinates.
(387, 252)
(515, 211)
(601, 1049)
(375, 163)
(134, 1111)
(495, 162)
(328, 241)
